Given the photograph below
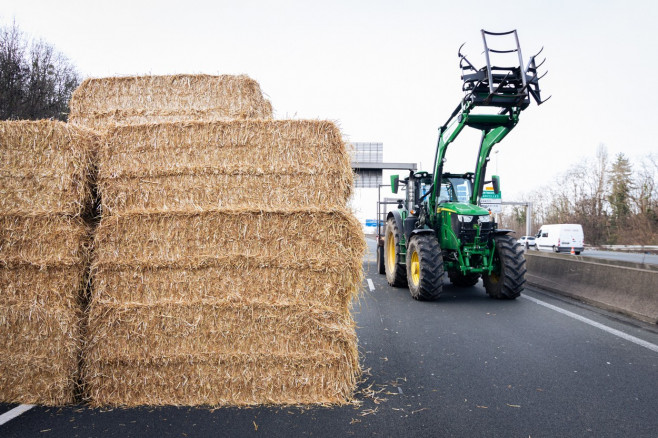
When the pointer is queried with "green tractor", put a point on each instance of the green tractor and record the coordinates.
(440, 227)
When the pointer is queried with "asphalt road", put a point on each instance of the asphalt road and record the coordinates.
(465, 366)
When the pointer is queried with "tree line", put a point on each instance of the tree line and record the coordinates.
(616, 201)
(36, 81)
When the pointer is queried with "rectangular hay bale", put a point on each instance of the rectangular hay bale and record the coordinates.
(42, 286)
(222, 380)
(312, 237)
(237, 279)
(239, 163)
(100, 102)
(39, 354)
(48, 240)
(138, 332)
(215, 191)
(44, 168)
(38, 380)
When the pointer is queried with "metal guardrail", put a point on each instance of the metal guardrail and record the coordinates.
(638, 248)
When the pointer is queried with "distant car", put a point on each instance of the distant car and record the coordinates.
(529, 239)
(561, 238)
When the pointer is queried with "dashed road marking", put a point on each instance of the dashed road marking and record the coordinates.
(605, 328)
(10, 415)
(370, 285)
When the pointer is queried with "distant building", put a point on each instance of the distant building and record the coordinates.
(368, 165)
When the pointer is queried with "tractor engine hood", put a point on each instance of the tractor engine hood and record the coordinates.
(463, 209)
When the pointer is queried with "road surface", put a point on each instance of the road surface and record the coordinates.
(465, 366)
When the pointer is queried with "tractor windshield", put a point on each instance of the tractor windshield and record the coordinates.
(455, 190)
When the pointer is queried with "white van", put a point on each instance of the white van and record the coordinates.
(560, 238)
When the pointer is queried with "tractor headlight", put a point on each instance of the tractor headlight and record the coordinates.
(484, 218)
(465, 218)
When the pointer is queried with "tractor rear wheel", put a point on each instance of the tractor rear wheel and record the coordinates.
(424, 267)
(396, 273)
(463, 280)
(381, 268)
(508, 275)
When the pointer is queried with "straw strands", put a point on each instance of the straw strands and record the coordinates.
(220, 380)
(125, 331)
(192, 238)
(45, 240)
(44, 185)
(98, 103)
(44, 168)
(239, 279)
(208, 165)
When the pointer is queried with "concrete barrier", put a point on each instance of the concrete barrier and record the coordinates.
(625, 287)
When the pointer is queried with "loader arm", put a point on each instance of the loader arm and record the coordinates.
(507, 88)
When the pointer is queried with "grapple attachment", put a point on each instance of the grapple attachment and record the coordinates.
(504, 86)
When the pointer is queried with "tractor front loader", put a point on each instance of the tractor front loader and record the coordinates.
(440, 226)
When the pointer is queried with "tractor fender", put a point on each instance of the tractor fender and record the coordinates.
(422, 231)
(398, 218)
(503, 232)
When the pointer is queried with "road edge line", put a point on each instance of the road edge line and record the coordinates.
(11, 414)
(605, 328)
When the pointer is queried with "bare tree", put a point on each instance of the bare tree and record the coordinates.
(35, 83)
(12, 71)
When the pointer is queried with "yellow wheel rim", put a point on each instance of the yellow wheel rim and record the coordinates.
(390, 253)
(415, 269)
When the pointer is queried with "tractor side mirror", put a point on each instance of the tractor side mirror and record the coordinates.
(395, 182)
(495, 181)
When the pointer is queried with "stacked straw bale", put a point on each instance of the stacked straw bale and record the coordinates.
(224, 266)
(44, 190)
(100, 102)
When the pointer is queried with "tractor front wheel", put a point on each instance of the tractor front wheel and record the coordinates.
(424, 267)
(396, 274)
(508, 275)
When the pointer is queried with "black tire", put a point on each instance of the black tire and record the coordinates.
(396, 272)
(577, 252)
(424, 267)
(381, 268)
(461, 280)
(508, 276)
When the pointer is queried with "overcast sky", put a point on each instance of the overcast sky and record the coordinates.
(387, 71)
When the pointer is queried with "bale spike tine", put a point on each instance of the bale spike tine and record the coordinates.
(459, 51)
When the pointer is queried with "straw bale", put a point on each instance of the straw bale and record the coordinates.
(37, 380)
(200, 192)
(235, 279)
(150, 99)
(44, 168)
(307, 238)
(48, 240)
(35, 331)
(239, 163)
(136, 332)
(39, 354)
(46, 287)
(233, 379)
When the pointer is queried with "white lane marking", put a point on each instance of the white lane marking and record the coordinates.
(10, 415)
(605, 328)
(371, 286)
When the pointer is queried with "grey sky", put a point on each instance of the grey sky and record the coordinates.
(387, 70)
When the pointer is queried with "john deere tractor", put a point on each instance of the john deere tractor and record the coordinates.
(440, 227)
